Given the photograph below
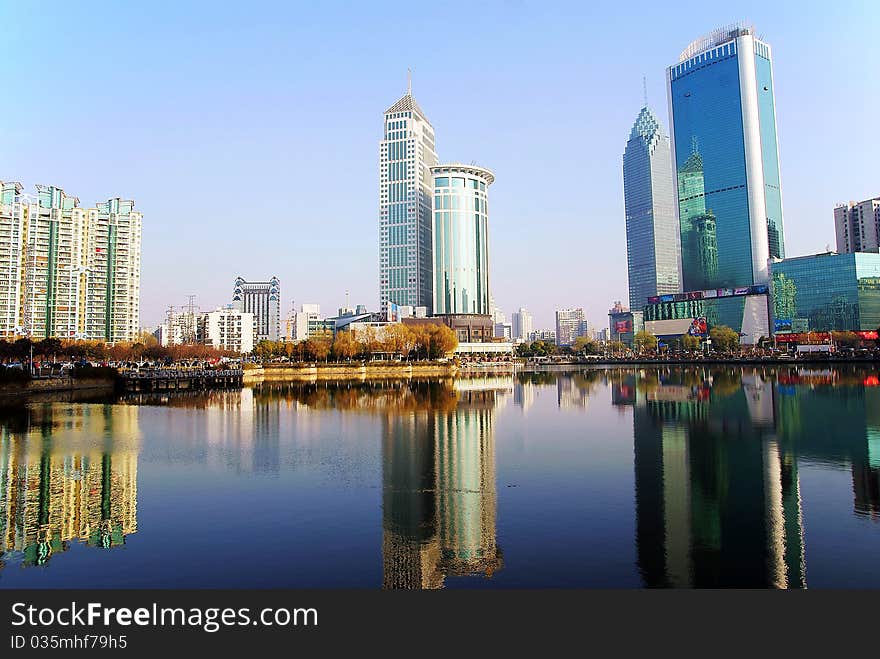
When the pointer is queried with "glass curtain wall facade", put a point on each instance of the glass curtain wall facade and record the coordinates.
(726, 160)
(652, 234)
(406, 155)
(827, 292)
(461, 239)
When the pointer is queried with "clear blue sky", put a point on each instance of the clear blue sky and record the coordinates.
(248, 134)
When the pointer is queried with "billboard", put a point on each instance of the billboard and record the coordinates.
(757, 289)
(781, 325)
(623, 327)
(699, 327)
(671, 328)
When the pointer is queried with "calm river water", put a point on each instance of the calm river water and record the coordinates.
(620, 478)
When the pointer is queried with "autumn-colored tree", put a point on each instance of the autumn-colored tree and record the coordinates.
(442, 341)
(846, 339)
(345, 346)
(321, 348)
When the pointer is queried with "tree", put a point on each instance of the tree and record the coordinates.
(370, 340)
(616, 346)
(689, 342)
(345, 346)
(399, 340)
(645, 341)
(585, 345)
(442, 341)
(321, 347)
(47, 347)
(846, 339)
(724, 339)
(263, 350)
(21, 349)
(147, 339)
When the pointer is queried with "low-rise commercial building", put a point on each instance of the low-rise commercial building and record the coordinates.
(744, 309)
(226, 328)
(826, 292)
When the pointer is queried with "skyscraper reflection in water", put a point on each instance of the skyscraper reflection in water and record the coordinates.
(67, 473)
(718, 500)
(439, 489)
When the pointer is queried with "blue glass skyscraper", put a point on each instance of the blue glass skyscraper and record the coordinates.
(726, 160)
(652, 234)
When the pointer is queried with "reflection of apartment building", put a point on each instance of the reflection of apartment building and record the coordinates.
(51, 495)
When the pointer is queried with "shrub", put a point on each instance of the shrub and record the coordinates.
(14, 376)
(88, 372)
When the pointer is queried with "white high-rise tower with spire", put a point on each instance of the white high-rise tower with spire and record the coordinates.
(406, 155)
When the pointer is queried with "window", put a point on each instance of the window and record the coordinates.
(441, 182)
(457, 182)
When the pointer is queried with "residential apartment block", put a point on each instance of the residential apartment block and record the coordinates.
(66, 271)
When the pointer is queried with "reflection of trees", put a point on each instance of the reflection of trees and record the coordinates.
(537, 377)
(382, 396)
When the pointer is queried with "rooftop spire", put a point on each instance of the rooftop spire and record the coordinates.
(409, 82)
(645, 89)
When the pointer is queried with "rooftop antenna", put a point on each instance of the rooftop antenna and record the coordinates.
(409, 82)
(645, 89)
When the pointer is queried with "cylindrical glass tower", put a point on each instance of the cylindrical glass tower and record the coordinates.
(461, 239)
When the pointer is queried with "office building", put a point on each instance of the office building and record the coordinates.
(71, 272)
(263, 300)
(726, 160)
(570, 324)
(503, 331)
(309, 323)
(226, 328)
(857, 226)
(826, 292)
(461, 239)
(406, 155)
(624, 324)
(521, 324)
(653, 252)
(545, 335)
